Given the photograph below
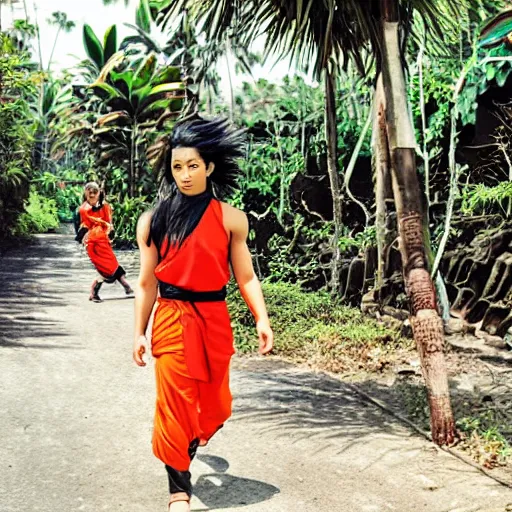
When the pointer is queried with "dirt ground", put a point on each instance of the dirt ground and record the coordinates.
(76, 418)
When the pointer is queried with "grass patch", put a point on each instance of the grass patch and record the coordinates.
(484, 425)
(312, 327)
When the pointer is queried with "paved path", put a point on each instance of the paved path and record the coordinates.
(75, 419)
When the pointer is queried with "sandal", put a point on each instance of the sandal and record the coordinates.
(178, 497)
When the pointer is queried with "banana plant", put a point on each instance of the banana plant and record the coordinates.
(139, 100)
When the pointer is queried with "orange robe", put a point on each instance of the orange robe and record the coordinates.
(192, 344)
(98, 244)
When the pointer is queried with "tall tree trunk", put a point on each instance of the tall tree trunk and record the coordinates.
(38, 33)
(133, 146)
(331, 138)
(282, 176)
(230, 81)
(426, 323)
(53, 48)
(26, 11)
(382, 173)
(426, 159)
(349, 170)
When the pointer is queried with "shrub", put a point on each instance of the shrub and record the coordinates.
(309, 325)
(126, 215)
(40, 215)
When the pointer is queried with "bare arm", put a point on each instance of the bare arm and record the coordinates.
(248, 282)
(147, 287)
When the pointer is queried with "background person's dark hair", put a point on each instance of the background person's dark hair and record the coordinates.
(217, 142)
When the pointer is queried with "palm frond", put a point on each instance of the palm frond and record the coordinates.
(497, 30)
(316, 33)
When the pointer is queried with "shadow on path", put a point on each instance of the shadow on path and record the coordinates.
(219, 490)
(311, 405)
(34, 279)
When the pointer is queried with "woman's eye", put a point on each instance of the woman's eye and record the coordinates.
(194, 166)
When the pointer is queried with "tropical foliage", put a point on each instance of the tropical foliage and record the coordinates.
(327, 197)
(17, 84)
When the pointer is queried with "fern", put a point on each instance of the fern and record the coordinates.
(479, 198)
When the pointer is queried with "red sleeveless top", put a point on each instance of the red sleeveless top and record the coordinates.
(201, 330)
(96, 221)
(201, 264)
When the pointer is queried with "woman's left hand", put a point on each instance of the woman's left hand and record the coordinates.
(265, 336)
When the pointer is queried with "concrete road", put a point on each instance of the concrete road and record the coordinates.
(76, 419)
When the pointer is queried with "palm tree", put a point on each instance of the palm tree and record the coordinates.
(321, 36)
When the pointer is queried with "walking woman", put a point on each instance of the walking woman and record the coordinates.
(95, 228)
(187, 244)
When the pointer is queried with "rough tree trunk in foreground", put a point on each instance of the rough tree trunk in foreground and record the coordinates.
(426, 323)
(382, 173)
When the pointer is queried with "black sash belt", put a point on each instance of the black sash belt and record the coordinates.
(168, 291)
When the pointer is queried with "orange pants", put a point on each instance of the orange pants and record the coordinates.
(189, 408)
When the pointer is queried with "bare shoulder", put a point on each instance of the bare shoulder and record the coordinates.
(144, 225)
(232, 212)
(235, 221)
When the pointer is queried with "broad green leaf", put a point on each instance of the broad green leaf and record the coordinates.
(490, 72)
(154, 109)
(495, 32)
(110, 42)
(166, 75)
(109, 66)
(483, 87)
(145, 72)
(93, 47)
(126, 78)
(168, 92)
(106, 91)
(143, 16)
(170, 87)
(502, 76)
(48, 100)
(140, 96)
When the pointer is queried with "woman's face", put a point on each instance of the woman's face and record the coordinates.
(92, 196)
(189, 171)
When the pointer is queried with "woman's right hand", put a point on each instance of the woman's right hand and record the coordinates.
(139, 349)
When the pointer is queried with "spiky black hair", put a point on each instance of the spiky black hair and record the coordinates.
(216, 141)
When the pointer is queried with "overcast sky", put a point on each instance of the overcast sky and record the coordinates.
(100, 17)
